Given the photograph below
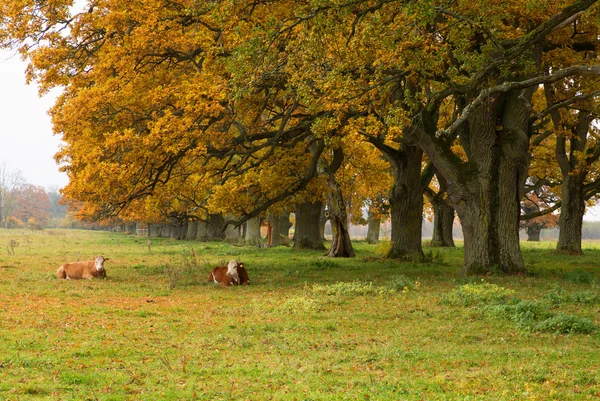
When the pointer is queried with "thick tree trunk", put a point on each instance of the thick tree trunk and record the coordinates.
(275, 232)
(373, 228)
(571, 215)
(192, 230)
(406, 205)
(166, 230)
(253, 231)
(153, 230)
(175, 231)
(212, 229)
(131, 228)
(443, 223)
(533, 233)
(306, 233)
(232, 233)
(341, 245)
(285, 225)
(513, 167)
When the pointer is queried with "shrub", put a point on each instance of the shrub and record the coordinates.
(579, 277)
(402, 284)
(299, 305)
(352, 288)
(323, 264)
(14, 222)
(192, 270)
(566, 324)
(524, 314)
(383, 249)
(559, 296)
(478, 294)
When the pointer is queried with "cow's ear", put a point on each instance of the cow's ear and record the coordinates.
(105, 259)
(240, 265)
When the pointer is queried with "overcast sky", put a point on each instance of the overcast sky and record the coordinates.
(26, 140)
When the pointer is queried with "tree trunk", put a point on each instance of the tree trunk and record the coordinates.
(373, 228)
(341, 245)
(175, 231)
(192, 230)
(275, 223)
(406, 204)
(571, 215)
(573, 161)
(253, 231)
(212, 229)
(306, 233)
(443, 223)
(533, 233)
(486, 190)
(165, 230)
(232, 233)
(285, 225)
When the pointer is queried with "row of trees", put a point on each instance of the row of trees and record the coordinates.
(228, 111)
(23, 204)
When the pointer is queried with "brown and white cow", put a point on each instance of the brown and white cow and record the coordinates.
(88, 270)
(233, 274)
(243, 273)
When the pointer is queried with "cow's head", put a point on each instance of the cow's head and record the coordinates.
(100, 262)
(232, 268)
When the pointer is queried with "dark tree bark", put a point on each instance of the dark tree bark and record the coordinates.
(574, 166)
(253, 231)
(406, 204)
(166, 230)
(285, 225)
(571, 215)
(341, 245)
(211, 229)
(373, 227)
(533, 233)
(306, 233)
(406, 199)
(275, 223)
(176, 231)
(153, 230)
(192, 230)
(232, 233)
(486, 190)
(443, 223)
(443, 215)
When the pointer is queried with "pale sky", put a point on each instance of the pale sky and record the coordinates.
(27, 143)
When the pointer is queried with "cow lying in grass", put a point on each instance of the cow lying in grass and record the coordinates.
(88, 270)
(233, 274)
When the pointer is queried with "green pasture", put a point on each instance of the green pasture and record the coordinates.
(307, 328)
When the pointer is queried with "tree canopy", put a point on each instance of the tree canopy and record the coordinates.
(186, 108)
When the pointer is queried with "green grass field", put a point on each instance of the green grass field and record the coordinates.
(155, 330)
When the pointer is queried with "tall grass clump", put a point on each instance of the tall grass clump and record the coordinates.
(566, 324)
(560, 296)
(396, 284)
(500, 303)
(191, 269)
(478, 294)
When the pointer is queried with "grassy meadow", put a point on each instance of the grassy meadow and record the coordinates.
(308, 328)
